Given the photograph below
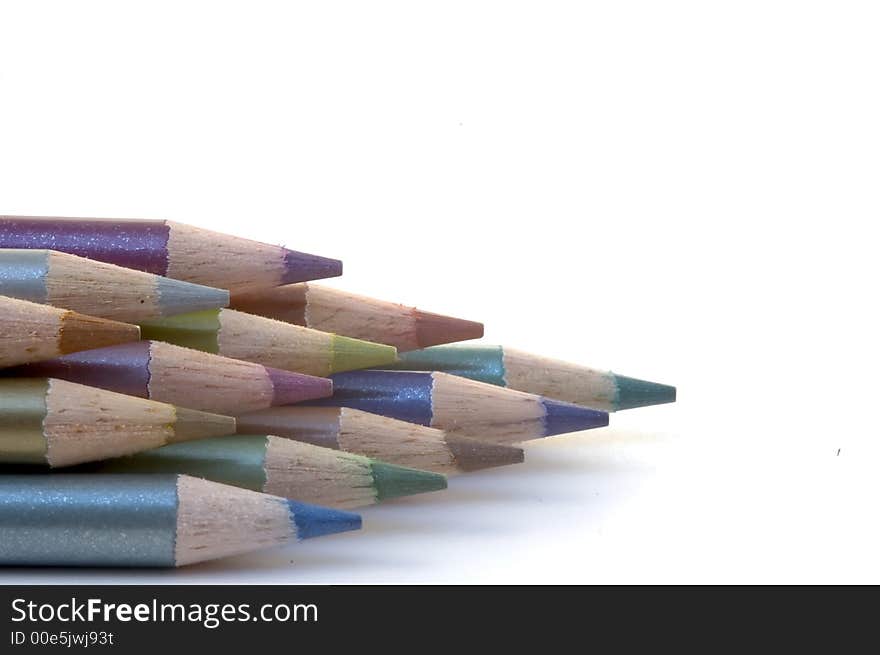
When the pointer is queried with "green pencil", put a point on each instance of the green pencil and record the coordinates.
(52, 422)
(283, 467)
(268, 342)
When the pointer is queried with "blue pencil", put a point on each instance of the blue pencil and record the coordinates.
(146, 520)
(459, 406)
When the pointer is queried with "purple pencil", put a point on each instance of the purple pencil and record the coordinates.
(171, 249)
(181, 376)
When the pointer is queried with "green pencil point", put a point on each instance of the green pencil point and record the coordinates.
(394, 481)
(632, 393)
(351, 354)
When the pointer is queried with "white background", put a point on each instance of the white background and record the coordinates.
(680, 191)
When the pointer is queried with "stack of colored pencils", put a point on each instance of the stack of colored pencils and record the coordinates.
(171, 395)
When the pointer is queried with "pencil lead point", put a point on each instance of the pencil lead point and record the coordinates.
(178, 297)
(350, 354)
(302, 267)
(633, 392)
(288, 387)
(562, 417)
(81, 332)
(192, 424)
(474, 454)
(435, 329)
(394, 481)
(316, 521)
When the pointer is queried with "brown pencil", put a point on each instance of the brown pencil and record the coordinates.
(30, 332)
(380, 437)
(332, 310)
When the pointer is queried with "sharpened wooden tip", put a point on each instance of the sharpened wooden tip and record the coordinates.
(435, 329)
(81, 332)
(474, 454)
(191, 424)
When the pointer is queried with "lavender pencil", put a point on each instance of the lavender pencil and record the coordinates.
(175, 250)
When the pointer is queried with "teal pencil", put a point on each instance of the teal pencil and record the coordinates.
(506, 367)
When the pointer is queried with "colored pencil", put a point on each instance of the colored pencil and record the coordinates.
(459, 406)
(59, 423)
(383, 438)
(147, 520)
(175, 250)
(99, 289)
(283, 467)
(30, 332)
(553, 378)
(182, 376)
(332, 310)
(268, 342)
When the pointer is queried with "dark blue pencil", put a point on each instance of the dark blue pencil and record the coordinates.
(459, 406)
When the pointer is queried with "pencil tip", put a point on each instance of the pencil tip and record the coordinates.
(350, 354)
(81, 332)
(436, 329)
(178, 297)
(316, 521)
(302, 267)
(561, 417)
(192, 424)
(632, 392)
(289, 387)
(393, 481)
(474, 454)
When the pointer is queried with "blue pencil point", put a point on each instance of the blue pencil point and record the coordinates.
(316, 521)
(566, 417)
